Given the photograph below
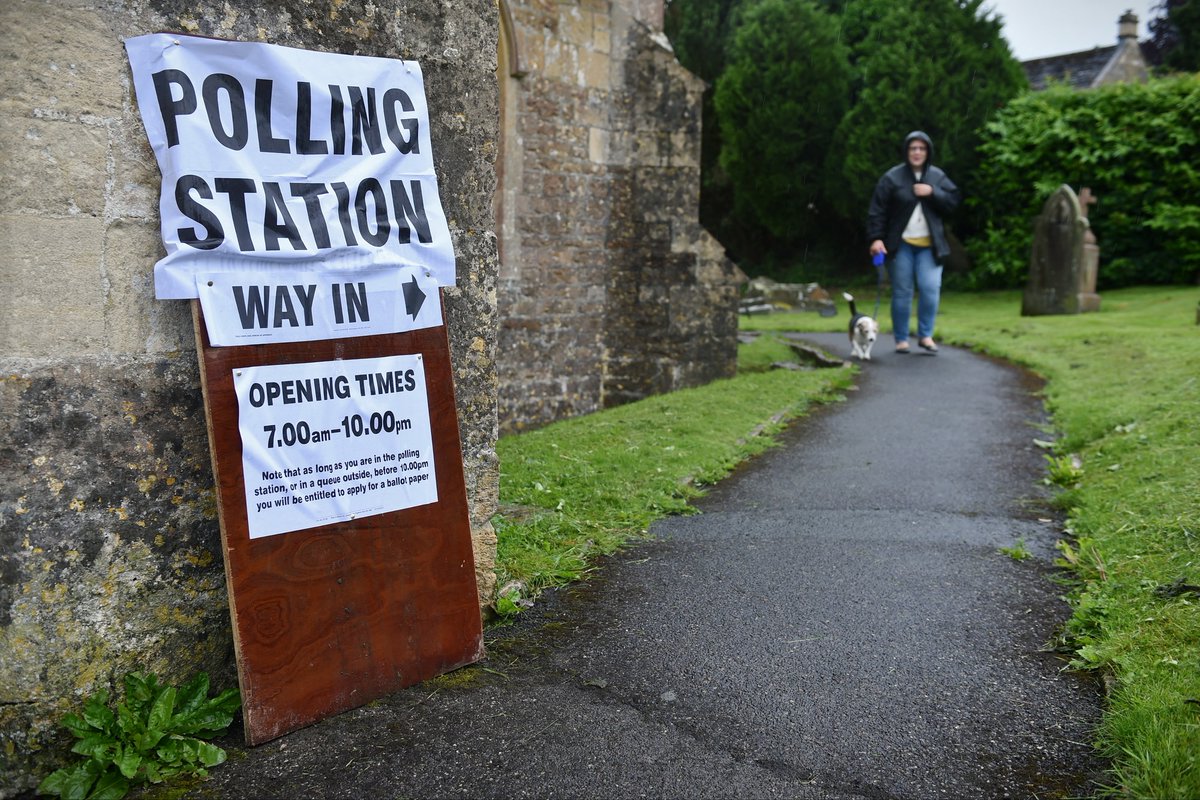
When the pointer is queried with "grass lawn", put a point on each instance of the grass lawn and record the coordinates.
(1123, 386)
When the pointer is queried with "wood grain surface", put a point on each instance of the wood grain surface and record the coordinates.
(327, 619)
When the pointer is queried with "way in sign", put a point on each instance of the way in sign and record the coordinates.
(293, 304)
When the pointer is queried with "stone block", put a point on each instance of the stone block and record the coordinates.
(55, 167)
(137, 322)
(53, 303)
(61, 61)
(598, 140)
(595, 69)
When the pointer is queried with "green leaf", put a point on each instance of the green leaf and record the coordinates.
(79, 780)
(161, 711)
(213, 716)
(128, 722)
(148, 740)
(55, 781)
(170, 751)
(111, 786)
(193, 694)
(140, 690)
(77, 725)
(101, 747)
(153, 772)
(128, 761)
(97, 713)
(211, 755)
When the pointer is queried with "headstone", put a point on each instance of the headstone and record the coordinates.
(1064, 260)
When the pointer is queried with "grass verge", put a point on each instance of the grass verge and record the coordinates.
(583, 487)
(1123, 386)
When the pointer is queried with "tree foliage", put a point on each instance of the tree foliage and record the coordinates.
(700, 31)
(787, 78)
(1136, 146)
(815, 99)
(940, 66)
(1175, 34)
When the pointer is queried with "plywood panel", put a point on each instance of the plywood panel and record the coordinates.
(329, 618)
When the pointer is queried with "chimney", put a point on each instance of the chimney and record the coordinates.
(1127, 26)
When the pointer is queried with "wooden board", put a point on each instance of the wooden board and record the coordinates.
(330, 618)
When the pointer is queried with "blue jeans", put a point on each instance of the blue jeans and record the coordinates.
(914, 267)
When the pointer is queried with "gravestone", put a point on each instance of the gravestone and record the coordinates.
(1064, 260)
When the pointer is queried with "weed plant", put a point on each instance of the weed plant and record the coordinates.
(1123, 386)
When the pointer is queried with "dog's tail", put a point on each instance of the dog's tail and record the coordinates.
(850, 299)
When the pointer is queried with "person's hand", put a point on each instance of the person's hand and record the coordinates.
(922, 189)
(877, 248)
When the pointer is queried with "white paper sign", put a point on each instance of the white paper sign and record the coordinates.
(332, 441)
(287, 157)
(265, 306)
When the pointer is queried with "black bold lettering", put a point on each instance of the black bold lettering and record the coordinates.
(251, 305)
(214, 234)
(237, 189)
(410, 210)
(212, 89)
(409, 143)
(382, 225)
(306, 295)
(169, 107)
(356, 302)
(343, 195)
(365, 120)
(305, 145)
(283, 308)
(311, 192)
(267, 142)
(337, 119)
(277, 222)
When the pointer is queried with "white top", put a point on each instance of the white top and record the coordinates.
(918, 226)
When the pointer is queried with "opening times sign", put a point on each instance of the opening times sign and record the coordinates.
(333, 441)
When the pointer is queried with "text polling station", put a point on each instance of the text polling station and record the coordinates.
(279, 157)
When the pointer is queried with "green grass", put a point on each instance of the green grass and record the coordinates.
(1123, 386)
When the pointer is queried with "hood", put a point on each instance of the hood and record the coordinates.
(924, 137)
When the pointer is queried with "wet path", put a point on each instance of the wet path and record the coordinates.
(837, 623)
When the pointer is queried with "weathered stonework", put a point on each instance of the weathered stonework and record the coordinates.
(609, 288)
(110, 553)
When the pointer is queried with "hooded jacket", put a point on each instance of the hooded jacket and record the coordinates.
(893, 202)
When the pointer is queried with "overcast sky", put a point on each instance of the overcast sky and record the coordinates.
(1036, 28)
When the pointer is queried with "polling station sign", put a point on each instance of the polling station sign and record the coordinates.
(285, 157)
(333, 441)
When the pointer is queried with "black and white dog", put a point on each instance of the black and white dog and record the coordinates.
(863, 331)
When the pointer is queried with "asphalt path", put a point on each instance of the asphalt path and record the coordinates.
(836, 623)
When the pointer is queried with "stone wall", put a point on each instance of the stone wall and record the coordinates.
(109, 546)
(609, 288)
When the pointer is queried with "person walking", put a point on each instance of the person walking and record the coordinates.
(905, 225)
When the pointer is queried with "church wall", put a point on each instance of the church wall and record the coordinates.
(110, 556)
(610, 290)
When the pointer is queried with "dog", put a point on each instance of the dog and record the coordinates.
(863, 331)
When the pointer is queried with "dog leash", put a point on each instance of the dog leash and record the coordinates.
(878, 260)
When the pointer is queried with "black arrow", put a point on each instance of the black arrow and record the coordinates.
(413, 297)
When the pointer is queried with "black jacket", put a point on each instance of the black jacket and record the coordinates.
(893, 202)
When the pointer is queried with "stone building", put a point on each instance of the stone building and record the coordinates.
(609, 289)
(110, 554)
(1123, 62)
